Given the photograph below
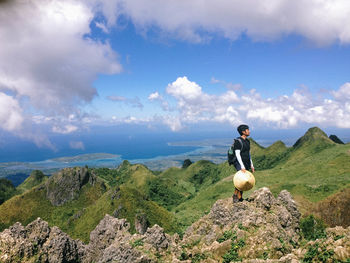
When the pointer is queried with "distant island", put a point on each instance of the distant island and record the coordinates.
(85, 157)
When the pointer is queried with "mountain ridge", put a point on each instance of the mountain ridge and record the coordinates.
(180, 196)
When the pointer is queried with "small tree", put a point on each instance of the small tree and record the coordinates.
(186, 163)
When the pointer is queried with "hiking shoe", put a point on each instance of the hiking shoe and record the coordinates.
(240, 200)
(235, 199)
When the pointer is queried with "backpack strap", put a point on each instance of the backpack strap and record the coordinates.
(240, 140)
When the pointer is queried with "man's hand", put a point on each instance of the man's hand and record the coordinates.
(253, 169)
(243, 170)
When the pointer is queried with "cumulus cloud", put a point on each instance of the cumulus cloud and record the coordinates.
(10, 113)
(47, 61)
(321, 21)
(193, 105)
(154, 96)
(343, 94)
(133, 102)
(69, 128)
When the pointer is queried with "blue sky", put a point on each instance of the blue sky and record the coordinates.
(172, 66)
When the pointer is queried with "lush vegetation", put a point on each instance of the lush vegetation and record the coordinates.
(36, 177)
(313, 170)
(312, 228)
(7, 190)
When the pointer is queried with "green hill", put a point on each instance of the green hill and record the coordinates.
(7, 190)
(36, 177)
(75, 199)
(314, 170)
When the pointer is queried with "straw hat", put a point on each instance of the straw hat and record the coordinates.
(244, 181)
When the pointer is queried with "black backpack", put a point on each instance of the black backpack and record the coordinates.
(231, 156)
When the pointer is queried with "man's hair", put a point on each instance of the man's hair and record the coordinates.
(242, 128)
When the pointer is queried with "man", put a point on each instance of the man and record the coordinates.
(243, 161)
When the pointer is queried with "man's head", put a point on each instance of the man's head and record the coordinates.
(243, 129)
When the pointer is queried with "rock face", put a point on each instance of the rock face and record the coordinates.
(66, 184)
(261, 229)
(37, 241)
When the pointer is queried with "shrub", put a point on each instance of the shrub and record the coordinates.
(312, 228)
(186, 163)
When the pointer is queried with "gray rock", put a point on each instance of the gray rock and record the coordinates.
(156, 236)
(141, 223)
(59, 247)
(122, 253)
(284, 216)
(116, 193)
(37, 241)
(263, 197)
(66, 184)
(285, 198)
(105, 234)
(221, 214)
(117, 211)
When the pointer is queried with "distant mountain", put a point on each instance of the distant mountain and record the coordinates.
(316, 138)
(266, 158)
(335, 139)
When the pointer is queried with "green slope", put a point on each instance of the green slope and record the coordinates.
(80, 216)
(36, 177)
(126, 203)
(7, 190)
(33, 203)
(313, 169)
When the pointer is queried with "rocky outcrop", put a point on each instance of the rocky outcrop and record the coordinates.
(37, 241)
(262, 222)
(260, 229)
(66, 184)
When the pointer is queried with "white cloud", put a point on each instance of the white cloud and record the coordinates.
(69, 128)
(102, 26)
(78, 145)
(174, 123)
(343, 93)
(10, 113)
(154, 96)
(182, 88)
(193, 105)
(133, 102)
(321, 21)
(214, 80)
(48, 63)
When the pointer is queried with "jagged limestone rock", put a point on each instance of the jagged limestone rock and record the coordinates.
(156, 236)
(105, 234)
(263, 197)
(37, 242)
(263, 227)
(141, 223)
(66, 184)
